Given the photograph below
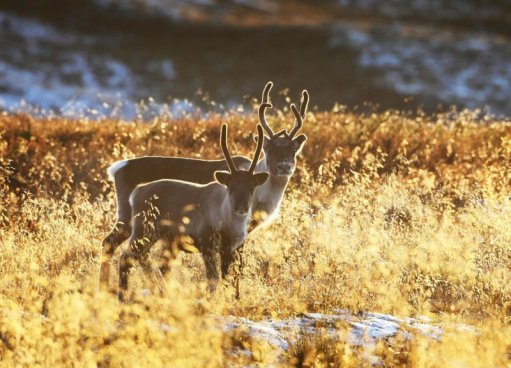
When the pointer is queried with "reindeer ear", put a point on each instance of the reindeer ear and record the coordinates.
(260, 178)
(299, 141)
(223, 177)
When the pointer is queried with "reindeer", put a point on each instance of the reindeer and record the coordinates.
(180, 210)
(280, 152)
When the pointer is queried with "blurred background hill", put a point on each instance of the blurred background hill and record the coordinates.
(101, 57)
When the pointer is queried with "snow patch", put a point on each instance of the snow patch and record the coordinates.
(364, 330)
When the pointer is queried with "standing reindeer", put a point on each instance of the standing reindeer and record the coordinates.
(180, 210)
(280, 152)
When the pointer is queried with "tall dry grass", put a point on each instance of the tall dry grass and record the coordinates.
(392, 212)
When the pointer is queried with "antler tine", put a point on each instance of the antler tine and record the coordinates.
(304, 103)
(266, 92)
(262, 118)
(223, 144)
(299, 121)
(260, 139)
(265, 103)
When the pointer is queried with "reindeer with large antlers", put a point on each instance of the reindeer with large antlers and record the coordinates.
(182, 210)
(280, 152)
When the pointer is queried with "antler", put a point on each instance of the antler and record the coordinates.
(265, 103)
(304, 103)
(299, 121)
(300, 115)
(223, 144)
(260, 138)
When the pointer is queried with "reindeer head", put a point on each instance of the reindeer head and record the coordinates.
(281, 149)
(241, 184)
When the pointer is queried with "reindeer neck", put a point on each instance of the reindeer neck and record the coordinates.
(277, 184)
(234, 227)
(268, 196)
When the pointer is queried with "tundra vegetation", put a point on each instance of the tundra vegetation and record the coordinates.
(395, 212)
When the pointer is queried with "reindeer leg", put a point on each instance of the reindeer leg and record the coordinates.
(126, 262)
(169, 250)
(134, 253)
(232, 263)
(234, 259)
(238, 271)
(211, 255)
(119, 234)
(227, 259)
(121, 230)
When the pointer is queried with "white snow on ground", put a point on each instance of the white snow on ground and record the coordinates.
(364, 330)
(453, 66)
(260, 330)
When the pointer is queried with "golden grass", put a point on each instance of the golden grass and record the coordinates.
(389, 212)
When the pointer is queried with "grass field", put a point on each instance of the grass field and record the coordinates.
(401, 213)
